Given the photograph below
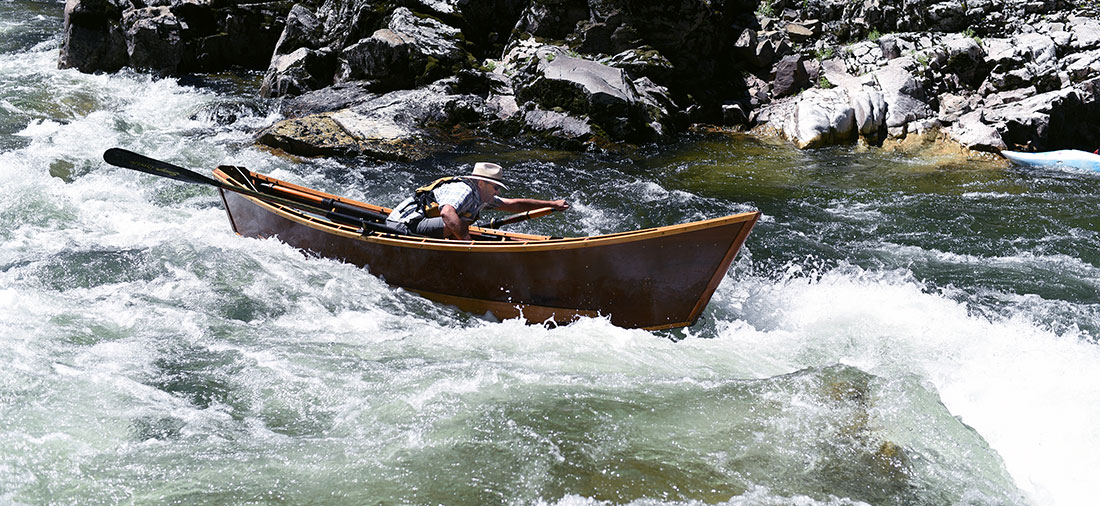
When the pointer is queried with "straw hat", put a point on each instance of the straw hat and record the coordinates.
(490, 172)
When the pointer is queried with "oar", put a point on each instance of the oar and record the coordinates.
(518, 217)
(129, 160)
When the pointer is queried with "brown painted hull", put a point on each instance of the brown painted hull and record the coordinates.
(654, 278)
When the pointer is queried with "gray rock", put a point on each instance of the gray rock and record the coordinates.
(400, 125)
(971, 132)
(552, 19)
(1040, 120)
(764, 54)
(558, 126)
(299, 72)
(153, 39)
(1085, 34)
(869, 113)
(904, 97)
(963, 57)
(821, 118)
(383, 59)
(643, 62)
(888, 44)
(170, 37)
(93, 39)
(744, 49)
(1038, 48)
(411, 51)
(586, 88)
(790, 76)
(733, 114)
(303, 29)
(328, 99)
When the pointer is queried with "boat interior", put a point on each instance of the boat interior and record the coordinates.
(342, 213)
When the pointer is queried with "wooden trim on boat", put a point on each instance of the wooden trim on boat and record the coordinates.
(722, 269)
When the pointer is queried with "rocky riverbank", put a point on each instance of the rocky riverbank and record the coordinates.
(399, 80)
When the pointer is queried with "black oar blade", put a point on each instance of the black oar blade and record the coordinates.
(129, 160)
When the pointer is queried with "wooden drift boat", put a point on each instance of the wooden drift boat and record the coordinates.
(653, 278)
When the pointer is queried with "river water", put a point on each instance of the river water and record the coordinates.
(899, 328)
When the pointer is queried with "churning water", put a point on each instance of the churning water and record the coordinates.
(897, 330)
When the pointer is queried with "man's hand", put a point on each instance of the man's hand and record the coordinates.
(558, 205)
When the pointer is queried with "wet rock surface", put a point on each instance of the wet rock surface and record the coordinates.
(585, 73)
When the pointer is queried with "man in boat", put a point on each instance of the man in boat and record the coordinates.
(446, 208)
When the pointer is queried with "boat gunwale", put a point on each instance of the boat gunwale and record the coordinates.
(521, 242)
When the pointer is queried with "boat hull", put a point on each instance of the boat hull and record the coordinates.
(655, 278)
(1065, 157)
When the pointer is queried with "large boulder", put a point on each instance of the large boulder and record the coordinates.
(170, 37)
(905, 98)
(409, 51)
(301, 71)
(790, 76)
(153, 39)
(603, 94)
(93, 38)
(973, 133)
(400, 125)
(821, 118)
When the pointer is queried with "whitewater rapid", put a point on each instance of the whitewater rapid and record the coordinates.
(154, 356)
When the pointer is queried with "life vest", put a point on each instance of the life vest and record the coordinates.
(425, 198)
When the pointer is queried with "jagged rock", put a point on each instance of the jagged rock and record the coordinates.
(965, 58)
(303, 29)
(93, 39)
(313, 135)
(1082, 66)
(869, 113)
(974, 134)
(567, 130)
(764, 54)
(586, 88)
(299, 72)
(734, 114)
(400, 125)
(798, 33)
(952, 107)
(643, 62)
(171, 37)
(1049, 119)
(552, 19)
(790, 76)
(1085, 33)
(889, 46)
(664, 114)
(744, 49)
(1038, 48)
(329, 99)
(410, 51)
(904, 96)
(153, 39)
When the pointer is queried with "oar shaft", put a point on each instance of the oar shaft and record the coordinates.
(329, 203)
(130, 160)
(518, 217)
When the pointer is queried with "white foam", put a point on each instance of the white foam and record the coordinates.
(1032, 394)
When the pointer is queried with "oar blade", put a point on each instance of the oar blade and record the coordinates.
(129, 160)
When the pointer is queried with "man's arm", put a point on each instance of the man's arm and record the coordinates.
(453, 224)
(521, 205)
